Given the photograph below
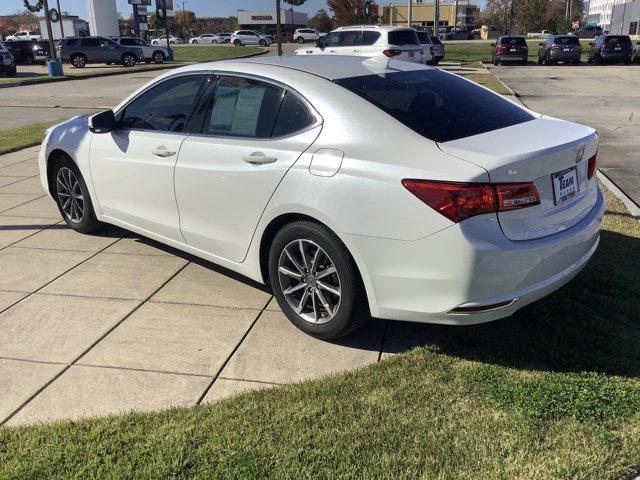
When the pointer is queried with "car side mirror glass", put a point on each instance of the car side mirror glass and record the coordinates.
(103, 122)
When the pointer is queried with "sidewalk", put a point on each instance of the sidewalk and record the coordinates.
(101, 324)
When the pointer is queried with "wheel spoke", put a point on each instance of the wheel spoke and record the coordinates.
(66, 203)
(324, 302)
(326, 272)
(295, 288)
(328, 288)
(303, 300)
(316, 317)
(295, 262)
(303, 254)
(314, 260)
(290, 273)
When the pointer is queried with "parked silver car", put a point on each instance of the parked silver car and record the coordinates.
(240, 38)
(150, 53)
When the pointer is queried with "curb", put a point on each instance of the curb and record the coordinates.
(21, 147)
(109, 74)
(628, 202)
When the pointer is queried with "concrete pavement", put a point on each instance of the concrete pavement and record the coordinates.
(605, 97)
(112, 322)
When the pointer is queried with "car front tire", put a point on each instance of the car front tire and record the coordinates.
(300, 40)
(316, 282)
(72, 196)
(194, 42)
(129, 60)
(158, 57)
(262, 43)
(78, 61)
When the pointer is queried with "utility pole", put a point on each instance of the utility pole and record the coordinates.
(511, 16)
(409, 13)
(61, 22)
(436, 17)
(455, 20)
(47, 18)
(279, 28)
(184, 23)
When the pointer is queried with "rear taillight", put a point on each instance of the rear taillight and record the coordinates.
(591, 169)
(431, 51)
(392, 53)
(555, 47)
(458, 201)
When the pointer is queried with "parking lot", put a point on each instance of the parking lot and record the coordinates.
(605, 97)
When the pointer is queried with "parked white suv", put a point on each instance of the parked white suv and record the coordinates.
(240, 38)
(303, 35)
(399, 43)
(31, 36)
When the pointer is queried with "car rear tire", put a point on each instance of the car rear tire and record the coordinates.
(316, 282)
(237, 43)
(158, 57)
(129, 60)
(11, 72)
(194, 42)
(262, 43)
(72, 196)
(78, 60)
(496, 62)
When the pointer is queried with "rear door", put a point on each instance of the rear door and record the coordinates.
(251, 133)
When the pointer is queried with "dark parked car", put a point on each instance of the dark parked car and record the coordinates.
(588, 31)
(41, 51)
(510, 49)
(560, 48)
(7, 65)
(22, 51)
(611, 48)
(438, 50)
(82, 50)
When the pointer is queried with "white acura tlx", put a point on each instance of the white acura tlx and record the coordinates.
(353, 188)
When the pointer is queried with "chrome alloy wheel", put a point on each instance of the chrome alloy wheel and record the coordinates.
(70, 195)
(309, 281)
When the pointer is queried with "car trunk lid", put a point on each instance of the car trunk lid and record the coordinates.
(551, 153)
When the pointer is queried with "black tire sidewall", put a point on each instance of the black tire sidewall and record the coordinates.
(89, 222)
(351, 293)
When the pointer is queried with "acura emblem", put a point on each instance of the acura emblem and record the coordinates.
(579, 154)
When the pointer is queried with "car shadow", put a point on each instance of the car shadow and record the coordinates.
(591, 324)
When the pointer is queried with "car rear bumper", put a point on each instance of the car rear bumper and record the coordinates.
(512, 58)
(470, 264)
(615, 57)
(565, 56)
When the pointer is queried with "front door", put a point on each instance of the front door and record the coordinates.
(252, 133)
(132, 167)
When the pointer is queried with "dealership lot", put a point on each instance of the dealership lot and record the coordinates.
(605, 97)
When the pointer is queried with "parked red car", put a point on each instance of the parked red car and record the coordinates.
(286, 38)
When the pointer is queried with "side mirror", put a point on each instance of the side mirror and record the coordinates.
(103, 122)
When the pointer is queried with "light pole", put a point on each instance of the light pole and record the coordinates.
(184, 22)
(436, 17)
(278, 28)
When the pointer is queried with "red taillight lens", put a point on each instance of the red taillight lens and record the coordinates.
(392, 53)
(591, 170)
(516, 195)
(458, 201)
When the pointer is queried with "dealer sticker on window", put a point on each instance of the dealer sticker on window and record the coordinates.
(565, 185)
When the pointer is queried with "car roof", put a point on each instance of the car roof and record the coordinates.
(331, 68)
(373, 27)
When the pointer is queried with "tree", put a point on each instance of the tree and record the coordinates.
(185, 21)
(321, 21)
(352, 12)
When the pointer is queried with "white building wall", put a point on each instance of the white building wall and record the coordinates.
(603, 9)
(103, 18)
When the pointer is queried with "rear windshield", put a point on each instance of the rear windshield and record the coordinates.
(424, 37)
(437, 105)
(570, 40)
(519, 41)
(403, 37)
(435, 40)
(618, 41)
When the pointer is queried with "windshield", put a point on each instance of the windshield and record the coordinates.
(437, 105)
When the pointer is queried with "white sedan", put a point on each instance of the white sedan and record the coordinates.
(353, 188)
(211, 38)
(163, 40)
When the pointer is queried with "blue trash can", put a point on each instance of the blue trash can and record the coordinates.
(55, 69)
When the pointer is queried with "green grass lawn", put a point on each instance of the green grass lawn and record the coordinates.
(23, 137)
(468, 52)
(190, 53)
(551, 393)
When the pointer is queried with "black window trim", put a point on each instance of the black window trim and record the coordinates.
(199, 132)
(206, 74)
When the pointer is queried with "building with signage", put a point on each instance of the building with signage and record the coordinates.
(265, 22)
(422, 14)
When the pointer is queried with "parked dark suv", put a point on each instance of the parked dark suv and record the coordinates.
(82, 50)
(560, 48)
(611, 48)
(510, 49)
(7, 65)
(22, 51)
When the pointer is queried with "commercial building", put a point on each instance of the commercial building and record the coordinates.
(265, 22)
(600, 12)
(72, 25)
(422, 14)
(625, 19)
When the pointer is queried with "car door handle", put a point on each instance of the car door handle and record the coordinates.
(259, 158)
(356, 49)
(332, 51)
(163, 152)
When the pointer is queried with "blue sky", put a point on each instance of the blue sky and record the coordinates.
(221, 8)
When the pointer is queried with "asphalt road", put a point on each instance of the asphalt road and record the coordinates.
(606, 98)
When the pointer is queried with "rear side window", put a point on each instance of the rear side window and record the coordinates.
(127, 41)
(293, 116)
(165, 107)
(91, 42)
(403, 37)
(513, 41)
(424, 37)
(351, 38)
(435, 104)
(566, 40)
(243, 107)
(369, 37)
(436, 41)
(72, 42)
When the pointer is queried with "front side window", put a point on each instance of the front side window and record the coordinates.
(90, 42)
(165, 107)
(332, 40)
(243, 107)
(437, 105)
(127, 41)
